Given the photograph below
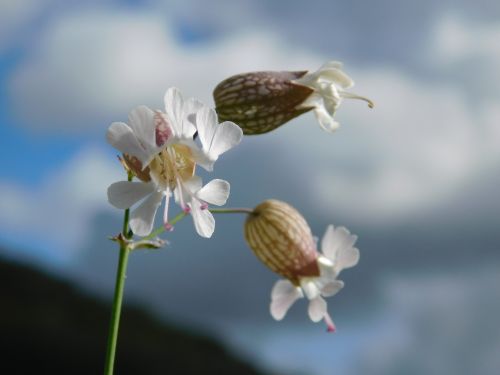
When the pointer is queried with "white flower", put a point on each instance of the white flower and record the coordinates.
(329, 84)
(338, 253)
(163, 143)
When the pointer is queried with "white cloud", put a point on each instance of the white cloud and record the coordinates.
(98, 65)
(408, 156)
(60, 211)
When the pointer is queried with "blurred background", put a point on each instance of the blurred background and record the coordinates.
(416, 178)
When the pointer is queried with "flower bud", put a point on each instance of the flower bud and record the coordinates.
(261, 101)
(280, 237)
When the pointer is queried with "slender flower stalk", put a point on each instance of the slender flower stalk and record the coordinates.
(118, 297)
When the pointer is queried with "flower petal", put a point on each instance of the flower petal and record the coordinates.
(331, 288)
(337, 245)
(206, 123)
(336, 76)
(143, 217)
(124, 194)
(142, 122)
(317, 309)
(283, 295)
(227, 136)
(326, 120)
(174, 104)
(203, 219)
(121, 137)
(215, 192)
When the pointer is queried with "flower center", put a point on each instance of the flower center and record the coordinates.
(172, 164)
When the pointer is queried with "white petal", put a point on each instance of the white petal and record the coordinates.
(204, 221)
(310, 288)
(227, 136)
(331, 288)
(326, 120)
(124, 194)
(121, 137)
(191, 107)
(337, 76)
(332, 64)
(206, 123)
(337, 245)
(283, 295)
(174, 104)
(347, 258)
(142, 122)
(317, 309)
(215, 192)
(143, 217)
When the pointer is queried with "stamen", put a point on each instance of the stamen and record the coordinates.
(204, 206)
(349, 95)
(330, 326)
(186, 209)
(168, 227)
(165, 212)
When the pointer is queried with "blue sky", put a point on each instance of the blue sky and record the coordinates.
(416, 178)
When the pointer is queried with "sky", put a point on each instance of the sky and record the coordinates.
(416, 178)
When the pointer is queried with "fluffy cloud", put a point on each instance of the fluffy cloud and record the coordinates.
(98, 65)
(413, 153)
(59, 212)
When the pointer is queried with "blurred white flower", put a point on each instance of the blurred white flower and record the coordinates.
(162, 146)
(329, 84)
(281, 238)
(338, 253)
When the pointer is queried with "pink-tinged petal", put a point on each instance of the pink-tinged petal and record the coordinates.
(283, 296)
(142, 121)
(331, 288)
(215, 192)
(227, 135)
(206, 123)
(121, 137)
(204, 221)
(124, 194)
(317, 309)
(143, 217)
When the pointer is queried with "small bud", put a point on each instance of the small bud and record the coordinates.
(131, 163)
(261, 101)
(281, 238)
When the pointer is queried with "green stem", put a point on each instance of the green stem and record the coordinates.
(118, 297)
(231, 210)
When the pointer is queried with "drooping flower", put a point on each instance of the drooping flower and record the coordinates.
(160, 150)
(262, 101)
(281, 238)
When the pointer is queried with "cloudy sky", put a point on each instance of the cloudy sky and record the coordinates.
(416, 177)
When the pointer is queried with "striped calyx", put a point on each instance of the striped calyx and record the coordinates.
(281, 238)
(259, 102)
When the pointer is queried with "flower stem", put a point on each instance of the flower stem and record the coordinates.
(239, 210)
(118, 297)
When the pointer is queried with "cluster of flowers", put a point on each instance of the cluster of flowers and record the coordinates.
(162, 150)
